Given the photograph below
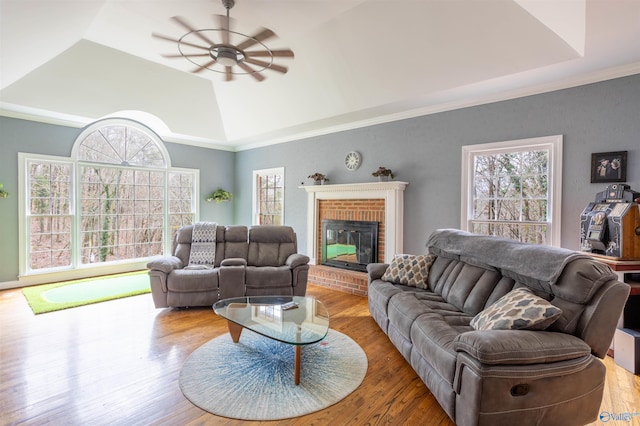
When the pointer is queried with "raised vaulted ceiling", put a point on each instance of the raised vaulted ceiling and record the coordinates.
(357, 62)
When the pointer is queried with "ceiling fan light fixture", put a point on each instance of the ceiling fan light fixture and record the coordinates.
(226, 56)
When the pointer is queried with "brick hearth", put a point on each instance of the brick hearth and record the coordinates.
(353, 282)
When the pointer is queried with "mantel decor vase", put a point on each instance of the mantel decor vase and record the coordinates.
(383, 174)
(318, 178)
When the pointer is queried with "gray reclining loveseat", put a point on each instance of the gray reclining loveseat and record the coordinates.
(260, 260)
(482, 355)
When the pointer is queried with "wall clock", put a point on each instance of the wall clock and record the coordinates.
(352, 160)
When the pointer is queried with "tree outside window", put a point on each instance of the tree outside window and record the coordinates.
(268, 196)
(126, 204)
(512, 189)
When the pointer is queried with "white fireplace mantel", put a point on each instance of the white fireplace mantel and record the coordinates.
(393, 194)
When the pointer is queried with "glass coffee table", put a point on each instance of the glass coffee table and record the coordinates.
(304, 324)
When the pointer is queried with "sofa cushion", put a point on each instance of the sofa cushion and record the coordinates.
(403, 309)
(470, 288)
(539, 262)
(408, 269)
(231, 241)
(182, 243)
(380, 292)
(192, 280)
(270, 245)
(432, 336)
(517, 310)
(236, 244)
(268, 276)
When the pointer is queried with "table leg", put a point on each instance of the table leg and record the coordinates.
(297, 367)
(234, 330)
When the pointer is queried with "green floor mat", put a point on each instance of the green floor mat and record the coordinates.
(69, 294)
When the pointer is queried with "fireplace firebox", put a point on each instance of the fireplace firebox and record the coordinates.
(349, 244)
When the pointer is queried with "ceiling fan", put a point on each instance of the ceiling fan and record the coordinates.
(212, 49)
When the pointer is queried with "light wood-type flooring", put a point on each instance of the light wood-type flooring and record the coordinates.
(117, 363)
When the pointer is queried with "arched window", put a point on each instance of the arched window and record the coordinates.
(116, 200)
(122, 142)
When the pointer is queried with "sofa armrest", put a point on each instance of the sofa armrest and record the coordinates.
(231, 277)
(520, 346)
(376, 270)
(234, 261)
(297, 259)
(165, 264)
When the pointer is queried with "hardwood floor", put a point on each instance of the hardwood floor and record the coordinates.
(118, 363)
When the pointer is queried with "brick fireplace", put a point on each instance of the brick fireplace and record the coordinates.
(380, 202)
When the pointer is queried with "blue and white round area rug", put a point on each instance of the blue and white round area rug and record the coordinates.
(253, 379)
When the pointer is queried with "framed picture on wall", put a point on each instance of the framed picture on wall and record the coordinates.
(609, 167)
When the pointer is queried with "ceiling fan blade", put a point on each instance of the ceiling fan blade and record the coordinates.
(263, 35)
(282, 53)
(203, 67)
(180, 20)
(228, 75)
(177, 55)
(251, 71)
(223, 23)
(167, 38)
(274, 67)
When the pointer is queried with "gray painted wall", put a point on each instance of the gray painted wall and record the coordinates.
(426, 152)
(216, 170)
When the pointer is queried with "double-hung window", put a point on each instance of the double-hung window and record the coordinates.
(49, 212)
(513, 189)
(268, 196)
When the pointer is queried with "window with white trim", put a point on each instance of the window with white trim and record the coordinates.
(49, 213)
(116, 200)
(268, 196)
(513, 189)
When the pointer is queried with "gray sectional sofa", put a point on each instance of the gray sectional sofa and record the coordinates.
(259, 260)
(449, 325)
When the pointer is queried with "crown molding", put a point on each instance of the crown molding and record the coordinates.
(481, 93)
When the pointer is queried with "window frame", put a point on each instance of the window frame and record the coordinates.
(24, 214)
(105, 122)
(255, 207)
(171, 229)
(552, 144)
(78, 269)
